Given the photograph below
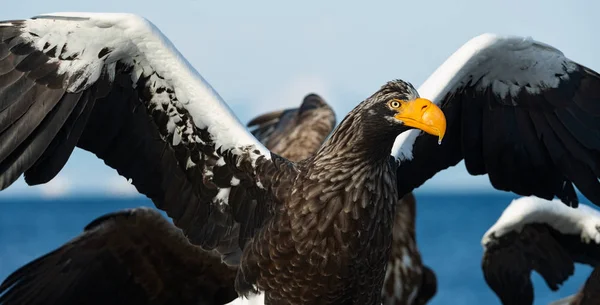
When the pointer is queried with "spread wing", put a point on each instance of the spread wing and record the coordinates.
(517, 110)
(507, 264)
(538, 235)
(128, 257)
(112, 84)
(296, 133)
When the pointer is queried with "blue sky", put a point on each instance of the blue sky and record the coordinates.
(263, 55)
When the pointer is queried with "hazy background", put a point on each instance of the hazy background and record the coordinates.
(264, 55)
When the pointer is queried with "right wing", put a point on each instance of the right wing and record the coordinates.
(295, 133)
(112, 84)
(517, 110)
(129, 257)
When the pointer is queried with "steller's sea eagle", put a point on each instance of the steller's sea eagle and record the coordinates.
(297, 133)
(548, 237)
(316, 231)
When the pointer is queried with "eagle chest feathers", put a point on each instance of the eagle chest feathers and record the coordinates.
(330, 242)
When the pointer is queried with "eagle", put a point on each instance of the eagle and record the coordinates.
(316, 231)
(548, 237)
(297, 133)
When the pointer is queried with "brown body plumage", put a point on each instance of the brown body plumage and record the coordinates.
(329, 242)
(308, 254)
(296, 134)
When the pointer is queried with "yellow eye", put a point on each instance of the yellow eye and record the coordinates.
(395, 104)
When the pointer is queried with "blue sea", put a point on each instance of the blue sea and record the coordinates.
(449, 230)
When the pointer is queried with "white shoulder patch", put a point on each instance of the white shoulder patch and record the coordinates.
(583, 220)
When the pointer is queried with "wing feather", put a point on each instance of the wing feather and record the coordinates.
(519, 111)
(588, 94)
(112, 84)
(56, 156)
(295, 133)
(127, 257)
(508, 262)
(264, 125)
(15, 84)
(533, 234)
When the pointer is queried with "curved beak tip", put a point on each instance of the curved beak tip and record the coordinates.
(434, 118)
(424, 115)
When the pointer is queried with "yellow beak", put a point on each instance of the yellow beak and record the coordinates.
(423, 114)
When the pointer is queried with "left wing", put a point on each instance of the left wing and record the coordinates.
(517, 110)
(295, 133)
(114, 85)
(534, 234)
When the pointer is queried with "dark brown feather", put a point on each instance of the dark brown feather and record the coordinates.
(295, 133)
(347, 178)
(128, 257)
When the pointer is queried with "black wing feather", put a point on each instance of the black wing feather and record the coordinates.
(127, 257)
(56, 156)
(541, 143)
(18, 132)
(588, 93)
(14, 85)
(125, 117)
(509, 260)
